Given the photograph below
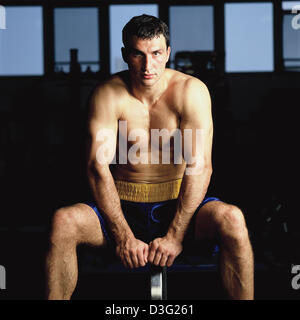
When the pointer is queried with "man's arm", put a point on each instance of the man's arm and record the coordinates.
(102, 130)
(196, 118)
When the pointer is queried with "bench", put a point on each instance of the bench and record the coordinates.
(103, 263)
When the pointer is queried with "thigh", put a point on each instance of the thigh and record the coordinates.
(81, 222)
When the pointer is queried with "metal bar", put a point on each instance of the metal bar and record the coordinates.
(158, 283)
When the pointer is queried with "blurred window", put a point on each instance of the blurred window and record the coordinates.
(21, 43)
(249, 45)
(76, 28)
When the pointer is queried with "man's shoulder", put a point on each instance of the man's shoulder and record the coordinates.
(114, 86)
(183, 80)
(185, 88)
(108, 97)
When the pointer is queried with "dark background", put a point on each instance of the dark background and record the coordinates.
(255, 118)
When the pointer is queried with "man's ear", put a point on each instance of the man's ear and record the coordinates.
(168, 52)
(124, 54)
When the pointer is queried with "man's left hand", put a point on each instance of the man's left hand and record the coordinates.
(163, 251)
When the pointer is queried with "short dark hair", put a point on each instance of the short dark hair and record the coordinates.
(145, 27)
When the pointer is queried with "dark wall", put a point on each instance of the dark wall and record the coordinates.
(42, 151)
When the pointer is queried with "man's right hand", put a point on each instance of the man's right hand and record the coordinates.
(132, 252)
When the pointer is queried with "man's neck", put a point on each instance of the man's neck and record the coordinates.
(149, 95)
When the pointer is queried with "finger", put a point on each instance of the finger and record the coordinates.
(170, 260)
(123, 260)
(134, 259)
(146, 252)
(163, 260)
(157, 258)
(152, 252)
(140, 256)
(120, 254)
(128, 260)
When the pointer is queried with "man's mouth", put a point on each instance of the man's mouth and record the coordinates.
(148, 76)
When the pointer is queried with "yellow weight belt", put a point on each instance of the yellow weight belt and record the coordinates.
(148, 192)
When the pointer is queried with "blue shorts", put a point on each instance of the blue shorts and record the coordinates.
(147, 220)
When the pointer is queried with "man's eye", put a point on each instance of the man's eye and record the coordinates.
(156, 53)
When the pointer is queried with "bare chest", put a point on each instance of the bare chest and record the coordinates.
(146, 135)
(140, 119)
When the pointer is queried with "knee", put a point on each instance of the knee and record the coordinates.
(231, 225)
(64, 225)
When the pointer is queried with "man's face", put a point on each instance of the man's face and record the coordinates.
(147, 59)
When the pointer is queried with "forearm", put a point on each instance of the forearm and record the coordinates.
(192, 193)
(108, 200)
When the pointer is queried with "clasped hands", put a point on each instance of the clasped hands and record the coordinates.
(135, 253)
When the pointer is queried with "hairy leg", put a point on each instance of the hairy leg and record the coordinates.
(71, 226)
(218, 220)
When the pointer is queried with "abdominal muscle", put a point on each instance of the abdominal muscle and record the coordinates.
(147, 173)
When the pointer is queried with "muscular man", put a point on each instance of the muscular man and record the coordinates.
(144, 206)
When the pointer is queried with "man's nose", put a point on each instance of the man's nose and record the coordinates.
(147, 64)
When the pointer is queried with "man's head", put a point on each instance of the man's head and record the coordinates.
(145, 27)
(146, 48)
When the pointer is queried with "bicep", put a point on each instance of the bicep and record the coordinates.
(197, 124)
(102, 131)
